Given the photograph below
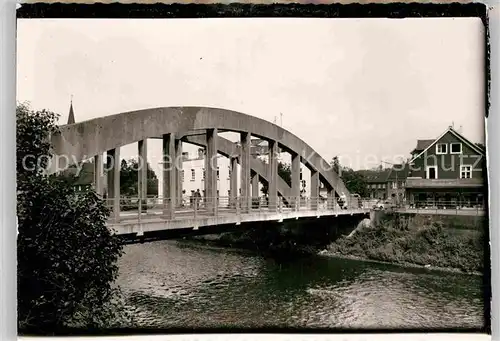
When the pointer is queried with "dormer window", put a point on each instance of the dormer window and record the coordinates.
(441, 148)
(455, 148)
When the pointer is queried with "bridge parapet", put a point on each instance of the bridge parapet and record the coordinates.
(199, 207)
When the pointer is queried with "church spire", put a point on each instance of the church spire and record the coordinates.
(71, 117)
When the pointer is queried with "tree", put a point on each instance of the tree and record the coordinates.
(129, 178)
(67, 257)
(285, 172)
(354, 181)
(336, 164)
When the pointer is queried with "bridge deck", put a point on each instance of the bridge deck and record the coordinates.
(154, 220)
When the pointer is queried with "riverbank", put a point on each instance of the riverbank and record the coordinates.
(438, 246)
(328, 254)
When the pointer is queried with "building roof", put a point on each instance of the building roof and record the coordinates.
(459, 136)
(399, 172)
(422, 144)
(375, 176)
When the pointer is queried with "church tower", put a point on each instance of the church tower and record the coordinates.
(71, 116)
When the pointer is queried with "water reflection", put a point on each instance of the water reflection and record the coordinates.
(178, 285)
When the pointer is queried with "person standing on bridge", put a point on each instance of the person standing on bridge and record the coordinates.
(197, 198)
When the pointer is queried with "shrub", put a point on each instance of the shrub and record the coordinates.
(66, 254)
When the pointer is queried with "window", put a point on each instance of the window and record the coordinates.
(303, 182)
(431, 172)
(394, 185)
(203, 177)
(301, 175)
(193, 175)
(465, 172)
(217, 173)
(441, 148)
(229, 173)
(455, 148)
(182, 175)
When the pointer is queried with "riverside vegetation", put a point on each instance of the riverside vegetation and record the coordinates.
(443, 244)
(67, 257)
(451, 244)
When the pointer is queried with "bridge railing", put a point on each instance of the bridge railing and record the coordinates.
(189, 207)
(439, 207)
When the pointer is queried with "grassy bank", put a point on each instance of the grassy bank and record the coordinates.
(436, 245)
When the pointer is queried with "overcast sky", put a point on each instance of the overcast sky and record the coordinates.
(357, 88)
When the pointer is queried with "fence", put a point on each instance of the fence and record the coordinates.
(440, 207)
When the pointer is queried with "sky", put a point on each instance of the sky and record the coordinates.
(361, 89)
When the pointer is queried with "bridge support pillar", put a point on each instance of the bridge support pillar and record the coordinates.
(178, 171)
(211, 171)
(233, 184)
(98, 174)
(255, 189)
(273, 175)
(314, 189)
(113, 156)
(169, 179)
(142, 181)
(245, 172)
(330, 202)
(295, 181)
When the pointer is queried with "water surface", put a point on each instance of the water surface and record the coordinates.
(179, 285)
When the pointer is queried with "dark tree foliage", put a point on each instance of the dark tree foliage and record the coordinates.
(285, 172)
(67, 257)
(336, 164)
(129, 178)
(354, 181)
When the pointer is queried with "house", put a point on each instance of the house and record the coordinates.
(448, 171)
(84, 179)
(376, 182)
(396, 183)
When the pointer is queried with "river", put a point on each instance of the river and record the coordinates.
(172, 284)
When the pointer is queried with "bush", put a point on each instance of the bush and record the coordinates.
(434, 245)
(66, 255)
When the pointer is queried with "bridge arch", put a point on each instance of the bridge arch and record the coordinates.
(93, 137)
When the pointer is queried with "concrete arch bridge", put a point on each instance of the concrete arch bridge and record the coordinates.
(201, 126)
